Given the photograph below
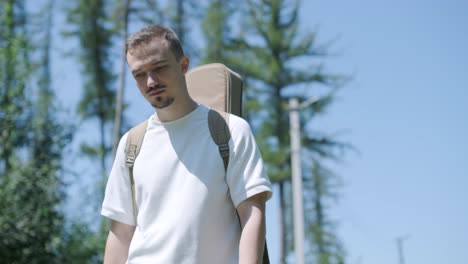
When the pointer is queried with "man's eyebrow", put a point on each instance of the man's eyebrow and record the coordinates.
(158, 62)
(155, 63)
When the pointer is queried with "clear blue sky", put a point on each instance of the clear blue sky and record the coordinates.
(406, 112)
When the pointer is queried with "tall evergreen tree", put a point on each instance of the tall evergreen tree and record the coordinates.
(122, 12)
(269, 57)
(91, 25)
(30, 186)
(182, 16)
(14, 72)
(216, 31)
(149, 12)
(322, 188)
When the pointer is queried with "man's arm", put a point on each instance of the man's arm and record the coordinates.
(252, 217)
(118, 242)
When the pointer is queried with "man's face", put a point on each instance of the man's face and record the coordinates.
(159, 76)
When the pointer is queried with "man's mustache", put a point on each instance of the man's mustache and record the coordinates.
(154, 87)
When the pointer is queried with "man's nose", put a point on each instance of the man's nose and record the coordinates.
(152, 80)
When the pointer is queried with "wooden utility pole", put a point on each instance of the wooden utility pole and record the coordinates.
(296, 180)
(399, 241)
(296, 174)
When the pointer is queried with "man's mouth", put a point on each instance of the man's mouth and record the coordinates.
(156, 90)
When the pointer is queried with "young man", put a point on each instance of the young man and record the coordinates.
(190, 210)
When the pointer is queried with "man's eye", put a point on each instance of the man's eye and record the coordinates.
(139, 75)
(160, 68)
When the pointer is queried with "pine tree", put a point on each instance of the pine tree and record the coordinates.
(91, 25)
(270, 52)
(122, 22)
(322, 187)
(216, 31)
(30, 186)
(14, 71)
(181, 18)
(149, 12)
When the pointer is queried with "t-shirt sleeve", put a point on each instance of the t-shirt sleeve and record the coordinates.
(246, 175)
(118, 203)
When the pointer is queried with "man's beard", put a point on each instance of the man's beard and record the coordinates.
(162, 102)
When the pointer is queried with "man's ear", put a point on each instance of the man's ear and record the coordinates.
(184, 62)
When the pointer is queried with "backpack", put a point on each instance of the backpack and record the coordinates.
(216, 86)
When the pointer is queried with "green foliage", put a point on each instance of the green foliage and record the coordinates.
(92, 26)
(81, 245)
(273, 47)
(217, 31)
(268, 52)
(33, 140)
(180, 18)
(14, 71)
(30, 225)
(148, 12)
(89, 20)
(322, 188)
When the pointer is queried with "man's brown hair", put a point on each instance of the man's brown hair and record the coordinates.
(155, 32)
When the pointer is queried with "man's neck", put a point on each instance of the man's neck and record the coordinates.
(176, 110)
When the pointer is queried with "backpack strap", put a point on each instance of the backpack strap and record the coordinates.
(134, 141)
(219, 130)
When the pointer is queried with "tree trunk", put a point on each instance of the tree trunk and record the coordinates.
(121, 82)
(282, 246)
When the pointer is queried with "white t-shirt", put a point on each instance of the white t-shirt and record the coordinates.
(186, 202)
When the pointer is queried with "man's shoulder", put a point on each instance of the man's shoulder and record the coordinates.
(239, 127)
(236, 123)
(235, 120)
(146, 121)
